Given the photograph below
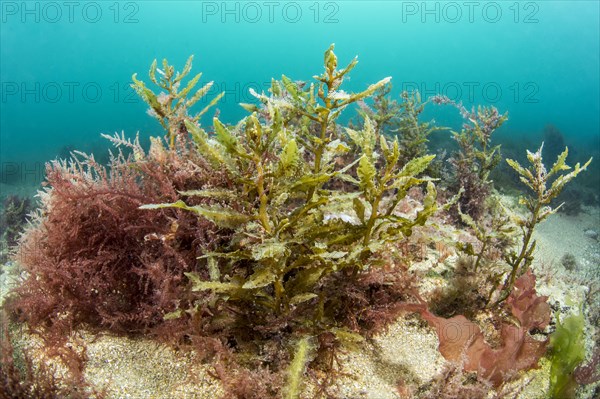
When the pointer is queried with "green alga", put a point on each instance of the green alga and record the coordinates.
(309, 198)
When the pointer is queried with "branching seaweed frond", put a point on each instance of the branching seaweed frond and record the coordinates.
(170, 107)
(545, 186)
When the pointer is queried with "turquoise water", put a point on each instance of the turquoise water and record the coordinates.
(66, 66)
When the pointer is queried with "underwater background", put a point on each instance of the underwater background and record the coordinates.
(66, 66)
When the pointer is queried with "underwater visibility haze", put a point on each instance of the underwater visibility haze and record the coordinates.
(70, 66)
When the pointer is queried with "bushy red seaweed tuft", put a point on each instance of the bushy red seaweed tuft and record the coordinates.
(96, 258)
(242, 383)
(23, 378)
